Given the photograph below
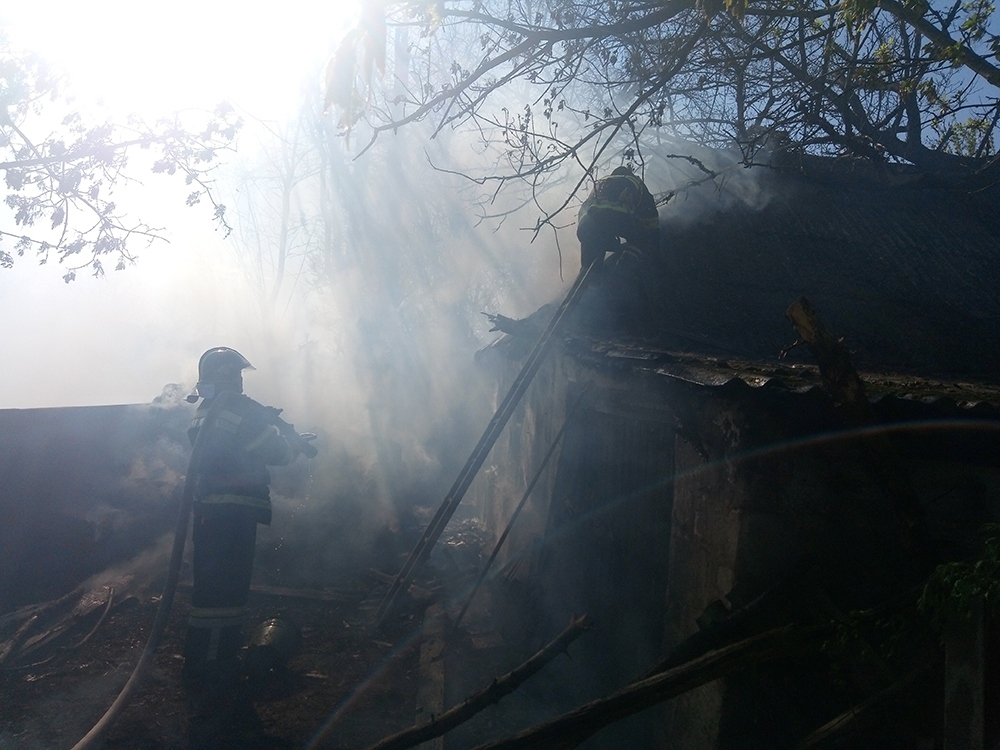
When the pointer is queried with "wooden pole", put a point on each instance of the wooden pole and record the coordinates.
(573, 728)
(517, 511)
(498, 689)
(871, 711)
(421, 551)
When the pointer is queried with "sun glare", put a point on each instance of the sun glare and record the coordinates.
(154, 58)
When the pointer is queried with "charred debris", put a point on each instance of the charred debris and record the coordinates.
(751, 488)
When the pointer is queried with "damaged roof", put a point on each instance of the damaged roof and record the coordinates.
(943, 397)
(905, 270)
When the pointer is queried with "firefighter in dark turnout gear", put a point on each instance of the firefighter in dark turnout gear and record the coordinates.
(620, 206)
(232, 496)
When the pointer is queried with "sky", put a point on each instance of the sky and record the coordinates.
(158, 57)
(121, 339)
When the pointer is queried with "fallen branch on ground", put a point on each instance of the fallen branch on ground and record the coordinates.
(60, 629)
(573, 728)
(23, 613)
(872, 711)
(498, 689)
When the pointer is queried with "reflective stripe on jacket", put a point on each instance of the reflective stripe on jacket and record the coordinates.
(217, 617)
(230, 499)
(625, 194)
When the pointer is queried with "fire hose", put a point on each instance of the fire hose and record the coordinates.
(166, 601)
(301, 444)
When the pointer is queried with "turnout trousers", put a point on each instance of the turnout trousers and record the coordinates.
(224, 541)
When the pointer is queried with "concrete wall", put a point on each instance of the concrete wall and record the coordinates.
(704, 542)
(82, 488)
(595, 536)
(768, 491)
(780, 504)
(518, 454)
(86, 488)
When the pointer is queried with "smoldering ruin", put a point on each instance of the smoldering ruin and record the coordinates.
(714, 537)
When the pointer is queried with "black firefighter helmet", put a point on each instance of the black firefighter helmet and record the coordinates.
(219, 368)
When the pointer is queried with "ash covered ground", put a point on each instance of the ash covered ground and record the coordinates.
(348, 684)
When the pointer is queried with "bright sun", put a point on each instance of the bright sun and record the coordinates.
(153, 58)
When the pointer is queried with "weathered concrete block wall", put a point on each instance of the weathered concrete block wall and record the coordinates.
(777, 508)
(562, 384)
(704, 543)
(769, 491)
(85, 488)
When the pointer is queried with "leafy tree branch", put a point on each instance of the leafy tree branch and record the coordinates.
(892, 81)
(61, 169)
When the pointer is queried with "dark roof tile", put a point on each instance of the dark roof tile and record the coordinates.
(907, 274)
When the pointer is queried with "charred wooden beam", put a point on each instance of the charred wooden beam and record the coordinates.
(525, 327)
(500, 687)
(794, 599)
(762, 613)
(871, 712)
(101, 619)
(42, 608)
(834, 360)
(87, 602)
(321, 595)
(422, 550)
(573, 728)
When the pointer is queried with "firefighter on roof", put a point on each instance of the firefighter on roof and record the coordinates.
(619, 207)
(232, 496)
